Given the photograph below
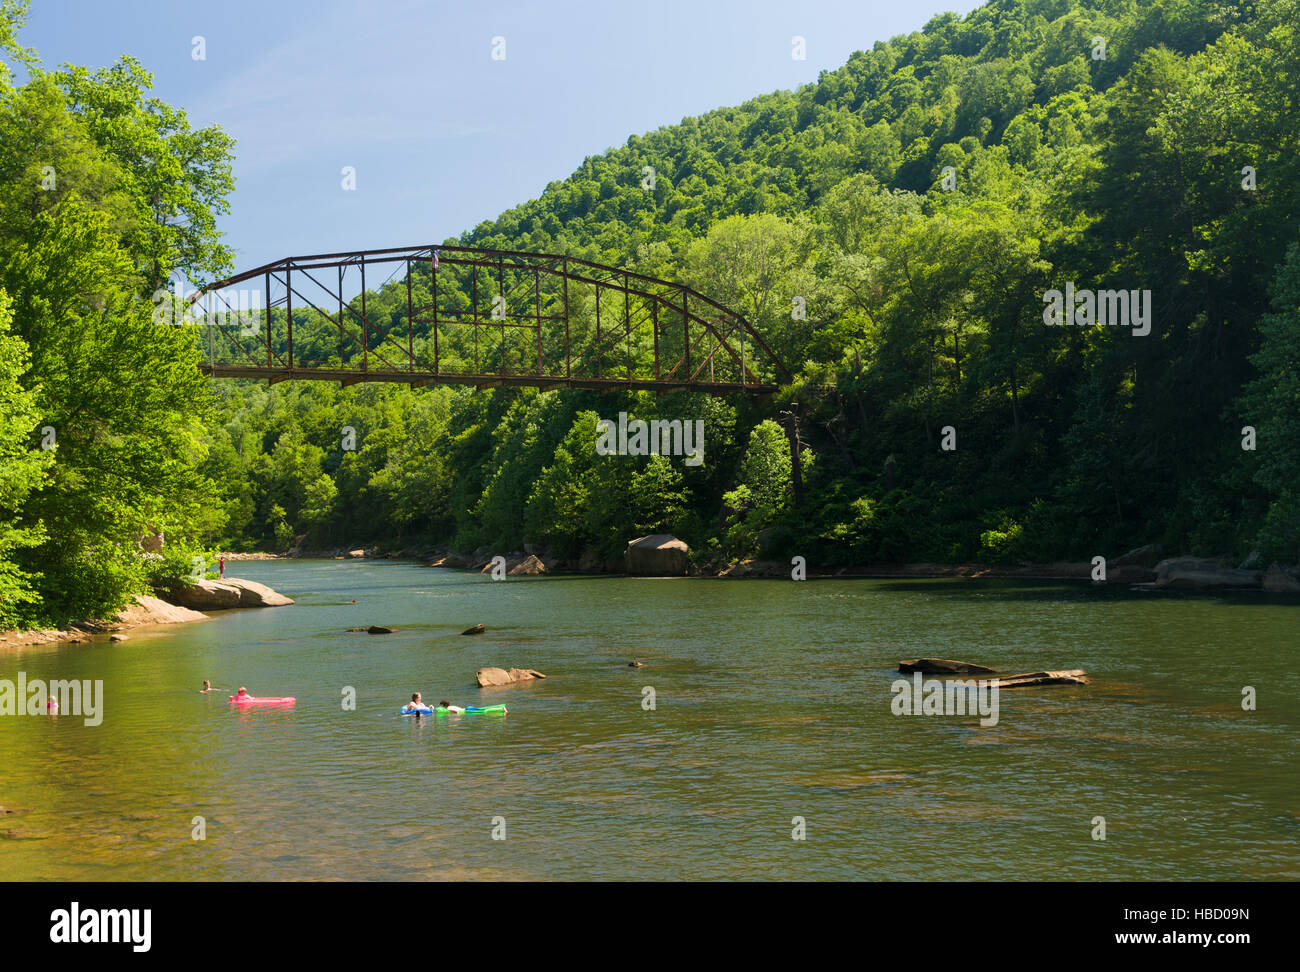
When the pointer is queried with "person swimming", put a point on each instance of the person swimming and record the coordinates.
(444, 704)
(242, 693)
(207, 686)
(52, 706)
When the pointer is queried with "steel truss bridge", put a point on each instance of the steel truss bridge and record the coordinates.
(463, 316)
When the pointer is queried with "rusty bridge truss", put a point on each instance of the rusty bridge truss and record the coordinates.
(458, 315)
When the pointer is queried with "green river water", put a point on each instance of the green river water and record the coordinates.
(772, 701)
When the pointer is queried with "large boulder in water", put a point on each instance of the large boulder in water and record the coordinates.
(231, 592)
(658, 555)
(205, 595)
(493, 677)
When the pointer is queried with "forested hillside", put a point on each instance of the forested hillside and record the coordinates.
(919, 202)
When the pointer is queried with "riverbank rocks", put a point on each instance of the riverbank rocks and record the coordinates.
(232, 592)
(453, 561)
(658, 555)
(1190, 573)
(530, 566)
(475, 629)
(943, 666)
(494, 677)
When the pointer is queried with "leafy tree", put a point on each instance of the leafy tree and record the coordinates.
(22, 467)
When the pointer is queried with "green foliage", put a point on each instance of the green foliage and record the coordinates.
(22, 469)
(923, 301)
(95, 184)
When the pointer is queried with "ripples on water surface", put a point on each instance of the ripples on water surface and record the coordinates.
(772, 702)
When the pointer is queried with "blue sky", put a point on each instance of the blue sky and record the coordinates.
(441, 135)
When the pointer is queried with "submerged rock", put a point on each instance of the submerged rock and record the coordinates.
(492, 677)
(379, 629)
(474, 629)
(943, 666)
(1074, 676)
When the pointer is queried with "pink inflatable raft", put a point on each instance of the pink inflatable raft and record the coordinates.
(243, 700)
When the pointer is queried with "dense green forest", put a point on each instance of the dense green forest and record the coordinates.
(920, 201)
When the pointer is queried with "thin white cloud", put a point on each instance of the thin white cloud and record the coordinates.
(343, 80)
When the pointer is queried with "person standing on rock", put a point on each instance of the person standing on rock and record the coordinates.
(221, 566)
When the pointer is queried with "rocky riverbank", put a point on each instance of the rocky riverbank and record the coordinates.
(663, 555)
(181, 606)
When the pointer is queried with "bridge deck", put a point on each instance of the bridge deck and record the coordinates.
(349, 376)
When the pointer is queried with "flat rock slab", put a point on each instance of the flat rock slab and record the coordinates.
(151, 610)
(943, 666)
(1191, 573)
(474, 629)
(493, 677)
(1073, 676)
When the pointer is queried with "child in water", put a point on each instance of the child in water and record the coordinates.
(207, 686)
(449, 707)
(52, 706)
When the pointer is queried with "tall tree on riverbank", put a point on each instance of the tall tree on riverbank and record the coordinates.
(103, 193)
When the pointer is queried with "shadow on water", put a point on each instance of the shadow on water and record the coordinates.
(1018, 589)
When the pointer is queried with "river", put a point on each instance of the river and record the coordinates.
(771, 700)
